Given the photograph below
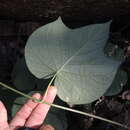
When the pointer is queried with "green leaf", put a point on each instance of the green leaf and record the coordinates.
(116, 53)
(21, 76)
(83, 72)
(117, 84)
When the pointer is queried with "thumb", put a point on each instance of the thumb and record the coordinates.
(3, 117)
(46, 127)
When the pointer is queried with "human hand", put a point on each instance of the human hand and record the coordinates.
(32, 114)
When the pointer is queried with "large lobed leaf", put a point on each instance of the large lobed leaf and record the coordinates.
(83, 72)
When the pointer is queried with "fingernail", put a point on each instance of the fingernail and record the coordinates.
(53, 89)
(36, 95)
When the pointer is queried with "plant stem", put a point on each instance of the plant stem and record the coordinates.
(45, 94)
(64, 108)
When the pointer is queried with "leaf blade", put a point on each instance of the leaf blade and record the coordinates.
(66, 50)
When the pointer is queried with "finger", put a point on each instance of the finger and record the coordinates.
(21, 116)
(3, 117)
(38, 115)
(46, 127)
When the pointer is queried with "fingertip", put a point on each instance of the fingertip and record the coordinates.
(36, 95)
(53, 89)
